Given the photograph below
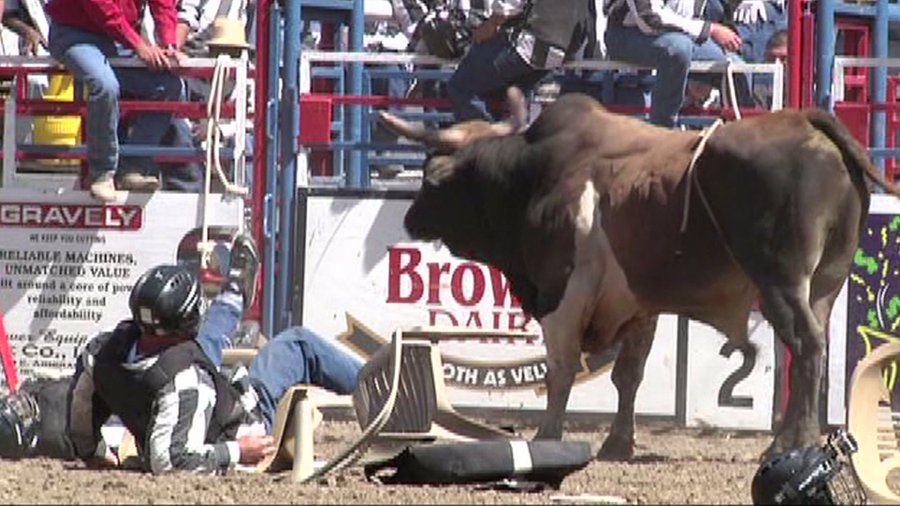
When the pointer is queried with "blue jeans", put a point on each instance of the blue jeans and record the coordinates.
(294, 356)
(182, 177)
(487, 70)
(85, 55)
(671, 54)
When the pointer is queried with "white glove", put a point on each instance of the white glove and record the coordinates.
(749, 11)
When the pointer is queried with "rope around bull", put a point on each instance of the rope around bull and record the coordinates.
(692, 173)
(693, 181)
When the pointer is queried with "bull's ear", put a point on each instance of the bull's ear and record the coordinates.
(439, 169)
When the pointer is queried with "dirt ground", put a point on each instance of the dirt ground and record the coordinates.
(672, 466)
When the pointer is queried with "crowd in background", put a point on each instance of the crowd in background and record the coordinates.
(498, 43)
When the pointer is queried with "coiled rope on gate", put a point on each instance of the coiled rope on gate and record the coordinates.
(214, 142)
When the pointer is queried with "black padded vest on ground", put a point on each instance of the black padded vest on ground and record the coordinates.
(130, 393)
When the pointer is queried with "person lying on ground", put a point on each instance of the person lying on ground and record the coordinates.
(160, 373)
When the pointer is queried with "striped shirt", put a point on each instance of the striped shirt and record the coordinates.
(182, 411)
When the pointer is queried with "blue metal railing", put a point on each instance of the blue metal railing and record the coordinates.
(269, 214)
(282, 136)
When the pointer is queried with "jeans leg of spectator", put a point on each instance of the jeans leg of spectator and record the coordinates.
(219, 323)
(300, 356)
(85, 55)
(670, 53)
(397, 88)
(149, 127)
(182, 177)
(488, 69)
(715, 11)
(379, 133)
(382, 87)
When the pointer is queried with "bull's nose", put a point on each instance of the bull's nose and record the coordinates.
(416, 227)
(412, 226)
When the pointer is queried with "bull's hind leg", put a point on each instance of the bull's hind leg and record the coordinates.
(788, 310)
(799, 308)
(627, 374)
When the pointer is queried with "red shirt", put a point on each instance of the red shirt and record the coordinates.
(116, 18)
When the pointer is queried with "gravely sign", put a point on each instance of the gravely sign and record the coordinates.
(119, 217)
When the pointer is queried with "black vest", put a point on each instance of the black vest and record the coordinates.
(564, 24)
(130, 393)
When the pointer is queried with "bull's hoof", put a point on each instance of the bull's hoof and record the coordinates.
(614, 449)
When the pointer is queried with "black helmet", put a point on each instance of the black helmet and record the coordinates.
(812, 475)
(166, 300)
(19, 422)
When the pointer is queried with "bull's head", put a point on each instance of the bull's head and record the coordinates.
(447, 206)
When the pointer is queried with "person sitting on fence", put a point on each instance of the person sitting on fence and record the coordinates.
(517, 46)
(383, 35)
(668, 35)
(438, 28)
(194, 32)
(159, 372)
(83, 36)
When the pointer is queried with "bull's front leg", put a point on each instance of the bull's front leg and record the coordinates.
(562, 338)
(627, 374)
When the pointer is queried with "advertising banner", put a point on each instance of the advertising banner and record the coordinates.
(67, 263)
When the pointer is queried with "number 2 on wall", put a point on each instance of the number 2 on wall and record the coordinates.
(726, 391)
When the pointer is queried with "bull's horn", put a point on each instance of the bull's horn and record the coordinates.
(449, 139)
(407, 129)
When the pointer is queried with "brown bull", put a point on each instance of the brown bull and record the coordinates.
(599, 225)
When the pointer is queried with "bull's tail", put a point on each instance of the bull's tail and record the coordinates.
(854, 154)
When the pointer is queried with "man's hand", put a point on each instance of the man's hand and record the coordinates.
(725, 37)
(33, 41)
(31, 38)
(176, 57)
(255, 448)
(750, 11)
(153, 56)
